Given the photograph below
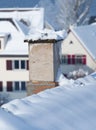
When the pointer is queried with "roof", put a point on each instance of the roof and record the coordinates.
(87, 36)
(68, 107)
(45, 34)
(35, 15)
(4, 34)
(17, 23)
(15, 43)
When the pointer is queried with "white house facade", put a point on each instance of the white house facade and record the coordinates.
(79, 50)
(14, 60)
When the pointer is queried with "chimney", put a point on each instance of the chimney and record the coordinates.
(43, 64)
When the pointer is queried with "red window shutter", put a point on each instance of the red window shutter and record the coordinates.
(69, 59)
(9, 86)
(73, 59)
(27, 64)
(9, 65)
(1, 86)
(84, 60)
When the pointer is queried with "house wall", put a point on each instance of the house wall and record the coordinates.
(13, 75)
(41, 62)
(76, 48)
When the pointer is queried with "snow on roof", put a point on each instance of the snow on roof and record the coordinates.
(4, 34)
(17, 22)
(34, 15)
(67, 107)
(15, 44)
(22, 27)
(45, 34)
(87, 36)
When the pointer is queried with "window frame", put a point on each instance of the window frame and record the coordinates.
(24, 65)
(9, 65)
(16, 87)
(9, 88)
(21, 64)
(23, 89)
(14, 65)
(74, 59)
(13, 86)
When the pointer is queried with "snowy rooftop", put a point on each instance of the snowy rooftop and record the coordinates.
(15, 44)
(71, 106)
(35, 16)
(24, 23)
(87, 36)
(45, 34)
(17, 23)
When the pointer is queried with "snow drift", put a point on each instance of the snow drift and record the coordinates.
(68, 107)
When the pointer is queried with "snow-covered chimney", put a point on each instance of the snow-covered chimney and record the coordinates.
(43, 64)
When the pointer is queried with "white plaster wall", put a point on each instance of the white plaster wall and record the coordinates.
(12, 75)
(76, 48)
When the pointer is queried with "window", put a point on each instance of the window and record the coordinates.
(78, 59)
(71, 42)
(73, 59)
(17, 64)
(64, 59)
(84, 59)
(9, 86)
(23, 85)
(9, 65)
(27, 64)
(1, 86)
(23, 66)
(16, 86)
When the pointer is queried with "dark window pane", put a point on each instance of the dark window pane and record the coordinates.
(9, 65)
(69, 59)
(64, 59)
(78, 60)
(9, 86)
(22, 64)
(1, 86)
(23, 86)
(0, 44)
(73, 59)
(16, 64)
(27, 64)
(16, 86)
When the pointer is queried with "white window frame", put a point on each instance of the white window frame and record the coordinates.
(20, 90)
(78, 58)
(13, 65)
